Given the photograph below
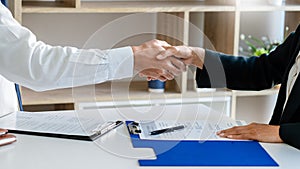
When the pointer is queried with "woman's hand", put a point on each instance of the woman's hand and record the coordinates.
(253, 131)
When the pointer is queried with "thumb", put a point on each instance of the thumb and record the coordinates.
(169, 51)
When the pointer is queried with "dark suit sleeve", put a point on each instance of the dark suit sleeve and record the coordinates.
(290, 134)
(245, 73)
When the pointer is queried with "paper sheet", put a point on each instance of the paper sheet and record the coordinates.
(193, 130)
(62, 122)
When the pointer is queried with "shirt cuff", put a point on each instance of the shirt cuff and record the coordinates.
(121, 63)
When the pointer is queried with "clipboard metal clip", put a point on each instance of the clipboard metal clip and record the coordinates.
(106, 127)
(134, 128)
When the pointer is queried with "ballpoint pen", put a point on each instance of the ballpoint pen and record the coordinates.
(166, 130)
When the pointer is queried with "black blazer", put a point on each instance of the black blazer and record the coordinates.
(258, 73)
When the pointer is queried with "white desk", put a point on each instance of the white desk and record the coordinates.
(114, 150)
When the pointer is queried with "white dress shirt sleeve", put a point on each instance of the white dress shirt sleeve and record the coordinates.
(39, 66)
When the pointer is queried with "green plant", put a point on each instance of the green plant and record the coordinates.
(257, 47)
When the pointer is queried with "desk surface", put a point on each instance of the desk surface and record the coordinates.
(113, 150)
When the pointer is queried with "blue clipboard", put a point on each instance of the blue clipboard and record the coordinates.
(206, 153)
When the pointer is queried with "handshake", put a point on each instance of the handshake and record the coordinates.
(158, 60)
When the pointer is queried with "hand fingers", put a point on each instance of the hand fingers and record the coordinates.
(156, 43)
(168, 74)
(154, 46)
(253, 131)
(234, 130)
(154, 74)
(178, 64)
(158, 77)
(163, 43)
(162, 78)
(247, 132)
(246, 136)
(3, 131)
(241, 133)
(151, 73)
(169, 51)
(173, 66)
(183, 52)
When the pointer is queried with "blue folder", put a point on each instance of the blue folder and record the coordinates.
(206, 153)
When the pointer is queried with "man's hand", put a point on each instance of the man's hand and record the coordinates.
(253, 131)
(146, 63)
(189, 55)
(155, 74)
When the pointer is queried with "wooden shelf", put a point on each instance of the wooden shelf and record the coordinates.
(260, 8)
(294, 7)
(248, 6)
(149, 6)
(107, 92)
(124, 7)
(268, 8)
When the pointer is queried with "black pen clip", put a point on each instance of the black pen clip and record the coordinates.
(133, 128)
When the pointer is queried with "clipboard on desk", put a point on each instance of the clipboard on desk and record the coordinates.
(77, 136)
(200, 153)
(62, 124)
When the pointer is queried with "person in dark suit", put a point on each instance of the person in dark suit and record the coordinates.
(281, 66)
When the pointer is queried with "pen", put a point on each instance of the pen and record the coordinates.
(166, 130)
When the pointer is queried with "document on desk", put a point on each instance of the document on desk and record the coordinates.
(54, 124)
(192, 130)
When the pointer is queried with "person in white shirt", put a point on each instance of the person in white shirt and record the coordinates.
(31, 63)
(39, 66)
